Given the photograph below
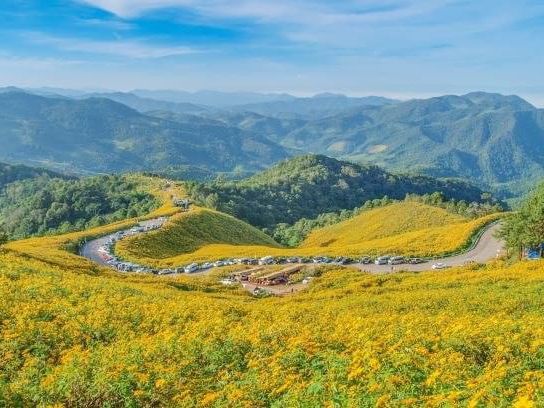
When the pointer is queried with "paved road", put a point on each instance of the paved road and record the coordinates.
(90, 249)
(488, 247)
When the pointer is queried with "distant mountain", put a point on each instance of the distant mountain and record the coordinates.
(274, 128)
(10, 173)
(101, 135)
(492, 139)
(147, 104)
(318, 106)
(306, 186)
(212, 98)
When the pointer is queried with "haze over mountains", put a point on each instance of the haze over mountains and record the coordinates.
(493, 140)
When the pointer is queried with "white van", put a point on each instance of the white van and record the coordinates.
(382, 260)
(396, 260)
(191, 268)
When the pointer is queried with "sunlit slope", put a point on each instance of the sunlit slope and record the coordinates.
(394, 219)
(459, 337)
(406, 228)
(190, 231)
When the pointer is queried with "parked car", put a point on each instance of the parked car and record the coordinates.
(382, 260)
(414, 261)
(396, 260)
(217, 264)
(191, 268)
(439, 265)
(365, 260)
(266, 260)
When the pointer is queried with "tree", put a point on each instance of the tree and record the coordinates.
(525, 228)
(3, 237)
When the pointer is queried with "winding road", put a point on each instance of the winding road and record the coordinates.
(487, 247)
(90, 249)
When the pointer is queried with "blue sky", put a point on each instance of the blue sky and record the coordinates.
(397, 48)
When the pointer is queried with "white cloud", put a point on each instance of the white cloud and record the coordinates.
(286, 11)
(111, 24)
(119, 48)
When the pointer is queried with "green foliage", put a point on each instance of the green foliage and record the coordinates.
(3, 237)
(44, 205)
(525, 227)
(307, 186)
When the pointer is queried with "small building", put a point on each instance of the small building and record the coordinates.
(275, 278)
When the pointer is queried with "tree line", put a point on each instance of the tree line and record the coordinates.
(48, 205)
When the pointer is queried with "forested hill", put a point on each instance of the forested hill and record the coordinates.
(306, 186)
(101, 135)
(15, 172)
(494, 140)
(43, 204)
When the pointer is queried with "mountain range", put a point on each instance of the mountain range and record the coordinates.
(100, 135)
(493, 140)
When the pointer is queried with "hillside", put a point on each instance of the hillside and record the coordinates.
(10, 173)
(394, 219)
(98, 134)
(199, 237)
(492, 139)
(101, 338)
(306, 186)
(148, 104)
(188, 232)
(318, 106)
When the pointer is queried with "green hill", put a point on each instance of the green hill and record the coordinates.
(491, 139)
(306, 186)
(188, 232)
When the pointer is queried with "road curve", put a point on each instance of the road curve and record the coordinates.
(486, 248)
(90, 248)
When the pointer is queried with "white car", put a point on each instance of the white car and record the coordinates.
(382, 260)
(191, 268)
(439, 265)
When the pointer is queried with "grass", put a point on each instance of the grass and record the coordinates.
(384, 222)
(190, 231)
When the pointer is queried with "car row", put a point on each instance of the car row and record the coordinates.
(106, 251)
(396, 260)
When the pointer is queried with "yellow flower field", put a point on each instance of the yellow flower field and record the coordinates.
(75, 334)
(461, 337)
